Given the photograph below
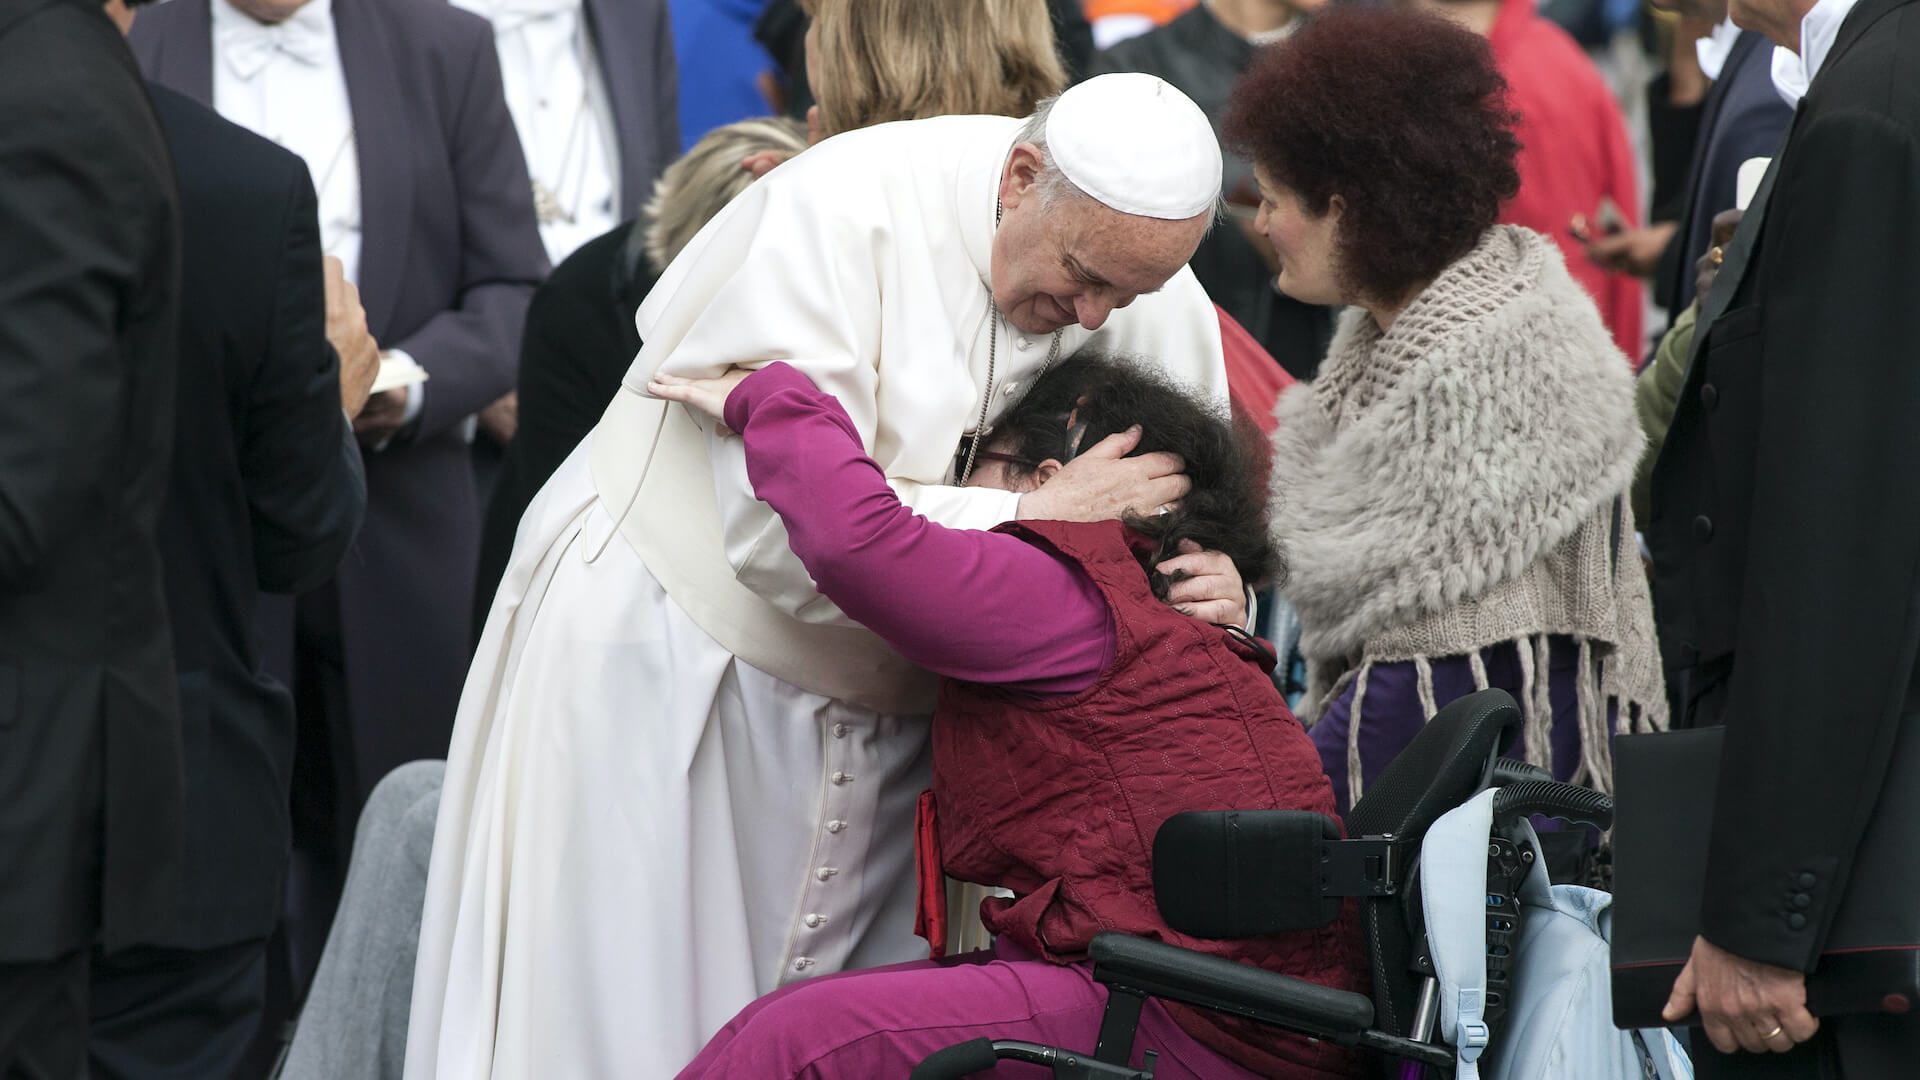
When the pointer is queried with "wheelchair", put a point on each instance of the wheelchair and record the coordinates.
(1232, 874)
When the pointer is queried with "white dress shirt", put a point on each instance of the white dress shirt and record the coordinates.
(1714, 49)
(560, 105)
(1793, 72)
(284, 81)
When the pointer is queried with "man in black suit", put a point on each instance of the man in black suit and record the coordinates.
(1786, 538)
(1742, 117)
(267, 493)
(89, 725)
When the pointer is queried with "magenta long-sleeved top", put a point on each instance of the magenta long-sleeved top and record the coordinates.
(978, 606)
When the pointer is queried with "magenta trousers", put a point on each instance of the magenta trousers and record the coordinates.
(878, 1024)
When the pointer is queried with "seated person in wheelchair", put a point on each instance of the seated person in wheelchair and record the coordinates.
(1075, 716)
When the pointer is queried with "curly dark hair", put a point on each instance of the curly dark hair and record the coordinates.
(1401, 114)
(1226, 511)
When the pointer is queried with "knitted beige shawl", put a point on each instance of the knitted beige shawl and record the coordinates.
(1456, 483)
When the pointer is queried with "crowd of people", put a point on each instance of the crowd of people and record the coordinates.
(643, 537)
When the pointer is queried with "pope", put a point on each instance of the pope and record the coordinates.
(681, 777)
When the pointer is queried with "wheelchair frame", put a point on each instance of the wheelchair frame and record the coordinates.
(1455, 756)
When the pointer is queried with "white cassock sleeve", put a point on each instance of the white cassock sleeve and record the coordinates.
(775, 277)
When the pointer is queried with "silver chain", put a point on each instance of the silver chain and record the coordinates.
(981, 430)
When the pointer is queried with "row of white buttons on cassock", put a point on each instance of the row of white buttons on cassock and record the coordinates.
(815, 920)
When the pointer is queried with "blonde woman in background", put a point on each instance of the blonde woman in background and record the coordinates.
(874, 61)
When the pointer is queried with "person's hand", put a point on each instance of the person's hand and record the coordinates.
(1212, 590)
(347, 333)
(761, 162)
(501, 419)
(1743, 1004)
(1725, 224)
(707, 395)
(376, 423)
(1103, 483)
(1632, 251)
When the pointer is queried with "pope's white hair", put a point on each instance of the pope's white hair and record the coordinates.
(1054, 188)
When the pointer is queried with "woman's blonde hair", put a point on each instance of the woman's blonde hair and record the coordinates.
(881, 60)
(706, 178)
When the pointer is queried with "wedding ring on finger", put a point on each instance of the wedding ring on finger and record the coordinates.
(1777, 1029)
(1715, 255)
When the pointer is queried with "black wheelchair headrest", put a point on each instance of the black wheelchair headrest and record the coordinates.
(1441, 768)
(1241, 873)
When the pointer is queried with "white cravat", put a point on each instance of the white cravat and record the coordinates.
(1714, 49)
(560, 107)
(1793, 72)
(285, 82)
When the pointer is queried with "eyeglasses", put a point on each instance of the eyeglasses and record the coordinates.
(1010, 459)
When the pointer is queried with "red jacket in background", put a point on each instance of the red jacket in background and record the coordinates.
(1574, 152)
(1058, 798)
(1254, 378)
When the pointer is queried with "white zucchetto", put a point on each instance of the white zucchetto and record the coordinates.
(1136, 144)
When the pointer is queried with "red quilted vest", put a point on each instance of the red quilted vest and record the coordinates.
(1058, 799)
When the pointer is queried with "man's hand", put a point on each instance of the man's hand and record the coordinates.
(1103, 483)
(1743, 1004)
(381, 418)
(1725, 224)
(347, 333)
(1212, 590)
(502, 418)
(1632, 251)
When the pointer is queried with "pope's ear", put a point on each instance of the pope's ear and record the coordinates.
(1046, 471)
(1017, 179)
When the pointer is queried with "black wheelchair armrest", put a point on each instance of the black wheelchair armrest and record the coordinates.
(1155, 969)
(1139, 968)
(1550, 798)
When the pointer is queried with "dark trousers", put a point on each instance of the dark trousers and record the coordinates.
(1876, 1047)
(176, 1014)
(43, 1019)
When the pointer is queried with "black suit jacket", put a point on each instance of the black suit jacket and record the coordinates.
(1785, 525)
(267, 493)
(580, 341)
(1743, 117)
(89, 727)
(449, 260)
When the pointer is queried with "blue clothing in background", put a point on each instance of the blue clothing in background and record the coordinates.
(720, 64)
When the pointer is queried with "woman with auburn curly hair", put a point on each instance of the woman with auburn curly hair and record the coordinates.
(1449, 492)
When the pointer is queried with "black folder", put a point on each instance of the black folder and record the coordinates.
(1664, 787)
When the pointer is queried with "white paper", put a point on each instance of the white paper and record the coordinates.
(1747, 180)
(396, 372)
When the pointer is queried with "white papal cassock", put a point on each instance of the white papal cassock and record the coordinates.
(679, 777)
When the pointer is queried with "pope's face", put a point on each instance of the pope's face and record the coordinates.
(1080, 260)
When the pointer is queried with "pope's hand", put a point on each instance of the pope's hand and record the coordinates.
(1211, 591)
(1103, 483)
(1742, 1003)
(707, 395)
